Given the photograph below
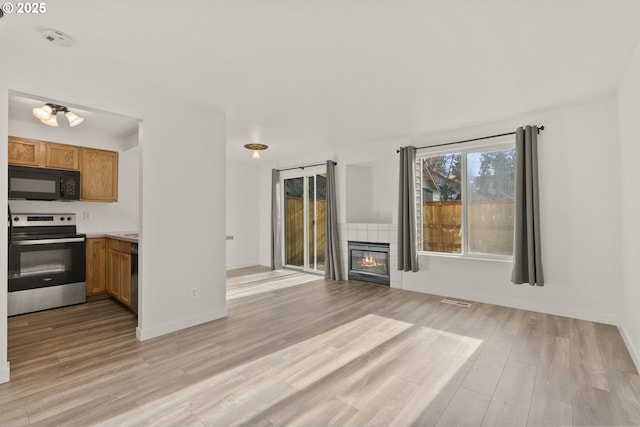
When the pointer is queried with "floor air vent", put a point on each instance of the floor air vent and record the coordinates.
(458, 303)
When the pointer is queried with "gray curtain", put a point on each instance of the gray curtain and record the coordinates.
(332, 258)
(527, 259)
(407, 250)
(276, 247)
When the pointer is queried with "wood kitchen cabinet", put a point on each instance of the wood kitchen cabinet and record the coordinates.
(98, 175)
(119, 270)
(25, 152)
(125, 277)
(98, 168)
(109, 268)
(113, 273)
(31, 152)
(61, 156)
(96, 266)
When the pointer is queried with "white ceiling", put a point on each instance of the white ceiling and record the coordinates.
(316, 75)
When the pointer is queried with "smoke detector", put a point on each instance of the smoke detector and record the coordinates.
(57, 37)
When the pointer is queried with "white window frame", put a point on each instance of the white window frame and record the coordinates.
(501, 143)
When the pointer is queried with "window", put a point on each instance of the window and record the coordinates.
(465, 201)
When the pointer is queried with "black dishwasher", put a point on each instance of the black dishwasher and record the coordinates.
(134, 277)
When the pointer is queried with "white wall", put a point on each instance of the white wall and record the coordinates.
(119, 216)
(629, 121)
(579, 198)
(180, 158)
(579, 164)
(359, 206)
(183, 220)
(264, 221)
(383, 182)
(367, 192)
(243, 213)
(381, 160)
(4, 114)
(579, 161)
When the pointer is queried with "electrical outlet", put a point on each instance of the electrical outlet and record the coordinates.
(86, 215)
(194, 293)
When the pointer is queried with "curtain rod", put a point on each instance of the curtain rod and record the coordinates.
(540, 129)
(305, 166)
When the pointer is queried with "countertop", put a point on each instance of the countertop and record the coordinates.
(127, 236)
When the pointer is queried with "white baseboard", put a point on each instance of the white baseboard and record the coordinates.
(243, 265)
(606, 318)
(144, 334)
(4, 373)
(633, 351)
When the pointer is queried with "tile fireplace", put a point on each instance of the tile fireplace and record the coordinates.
(369, 262)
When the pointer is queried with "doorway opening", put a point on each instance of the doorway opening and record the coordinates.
(109, 146)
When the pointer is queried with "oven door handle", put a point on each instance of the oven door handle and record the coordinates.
(47, 241)
(10, 237)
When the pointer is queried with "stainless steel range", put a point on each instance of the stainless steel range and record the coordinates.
(47, 262)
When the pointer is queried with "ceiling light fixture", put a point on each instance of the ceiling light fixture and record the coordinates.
(48, 115)
(256, 148)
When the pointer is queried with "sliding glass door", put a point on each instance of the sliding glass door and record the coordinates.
(316, 212)
(294, 222)
(304, 219)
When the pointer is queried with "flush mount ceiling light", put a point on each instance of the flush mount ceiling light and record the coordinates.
(48, 115)
(256, 148)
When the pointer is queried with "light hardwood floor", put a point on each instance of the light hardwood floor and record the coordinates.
(299, 350)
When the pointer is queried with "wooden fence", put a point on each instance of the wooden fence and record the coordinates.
(442, 226)
(294, 231)
(490, 226)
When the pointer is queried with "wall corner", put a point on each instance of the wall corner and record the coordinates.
(5, 373)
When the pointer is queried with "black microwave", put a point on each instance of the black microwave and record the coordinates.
(43, 184)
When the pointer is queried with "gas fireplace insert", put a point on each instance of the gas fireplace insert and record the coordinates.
(369, 262)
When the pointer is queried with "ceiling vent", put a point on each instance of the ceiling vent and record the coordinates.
(57, 37)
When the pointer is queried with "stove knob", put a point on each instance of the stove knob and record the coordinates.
(68, 218)
(16, 219)
(61, 218)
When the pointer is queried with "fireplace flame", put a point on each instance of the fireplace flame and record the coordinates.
(370, 262)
